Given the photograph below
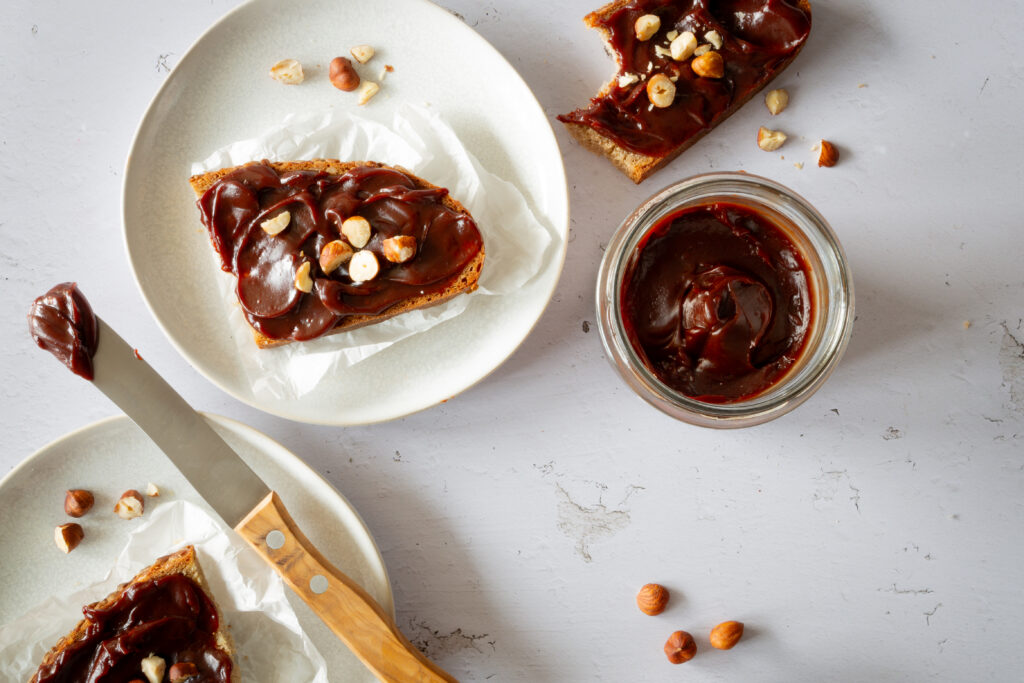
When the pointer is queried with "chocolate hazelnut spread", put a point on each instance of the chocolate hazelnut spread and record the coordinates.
(236, 206)
(717, 303)
(758, 39)
(62, 322)
(170, 617)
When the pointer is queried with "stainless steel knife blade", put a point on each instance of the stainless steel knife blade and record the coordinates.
(219, 475)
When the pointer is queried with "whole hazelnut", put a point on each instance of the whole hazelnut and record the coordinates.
(130, 505)
(77, 502)
(680, 647)
(68, 536)
(343, 74)
(182, 671)
(652, 599)
(726, 635)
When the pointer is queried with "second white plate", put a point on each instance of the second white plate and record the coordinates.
(220, 92)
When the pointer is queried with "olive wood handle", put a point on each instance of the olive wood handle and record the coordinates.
(344, 606)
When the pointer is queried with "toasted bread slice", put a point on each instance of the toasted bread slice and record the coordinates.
(183, 562)
(465, 282)
(637, 165)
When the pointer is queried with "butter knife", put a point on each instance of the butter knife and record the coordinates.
(248, 505)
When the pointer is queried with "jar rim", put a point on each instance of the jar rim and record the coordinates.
(833, 322)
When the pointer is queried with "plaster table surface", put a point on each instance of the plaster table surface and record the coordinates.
(873, 534)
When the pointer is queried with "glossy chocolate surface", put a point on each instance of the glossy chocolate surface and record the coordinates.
(236, 205)
(759, 36)
(717, 303)
(170, 617)
(62, 322)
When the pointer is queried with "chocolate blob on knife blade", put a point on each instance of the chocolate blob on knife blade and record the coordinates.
(62, 322)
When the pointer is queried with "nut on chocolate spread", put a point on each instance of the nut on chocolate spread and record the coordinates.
(62, 322)
(169, 616)
(281, 296)
(758, 37)
(718, 302)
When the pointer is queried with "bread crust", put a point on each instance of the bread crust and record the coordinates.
(634, 164)
(464, 283)
(183, 562)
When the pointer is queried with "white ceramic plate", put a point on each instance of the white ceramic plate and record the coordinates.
(220, 93)
(112, 455)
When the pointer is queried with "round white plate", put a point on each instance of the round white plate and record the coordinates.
(112, 455)
(220, 92)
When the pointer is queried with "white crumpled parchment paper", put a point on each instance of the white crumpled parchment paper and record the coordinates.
(249, 592)
(515, 240)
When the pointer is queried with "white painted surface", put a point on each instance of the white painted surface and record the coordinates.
(875, 533)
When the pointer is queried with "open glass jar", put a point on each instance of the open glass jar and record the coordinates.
(830, 289)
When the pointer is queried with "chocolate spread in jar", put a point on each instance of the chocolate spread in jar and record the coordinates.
(170, 617)
(759, 38)
(62, 322)
(234, 208)
(717, 303)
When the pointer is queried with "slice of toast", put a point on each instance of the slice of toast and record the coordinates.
(632, 161)
(463, 282)
(56, 665)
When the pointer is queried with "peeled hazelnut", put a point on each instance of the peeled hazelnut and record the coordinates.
(303, 282)
(652, 599)
(68, 536)
(357, 231)
(363, 266)
(726, 635)
(829, 155)
(776, 101)
(77, 502)
(277, 224)
(680, 647)
(130, 505)
(152, 490)
(708, 65)
(153, 668)
(287, 71)
(333, 255)
(363, 53)
(661, 91)
(369, 90)
(770, 140)
(715, 38)
(182, 671)
(343, 75)
(702, 49)
(683, 45)
(399, 249)
(646, 26)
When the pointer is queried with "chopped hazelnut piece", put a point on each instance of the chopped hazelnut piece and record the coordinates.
(661, 91)
(646, 26)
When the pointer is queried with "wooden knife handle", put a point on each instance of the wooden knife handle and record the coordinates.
(345, 607)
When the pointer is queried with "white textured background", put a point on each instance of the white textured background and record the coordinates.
(876, 533)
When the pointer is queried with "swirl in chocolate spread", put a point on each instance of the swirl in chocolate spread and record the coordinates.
(759, 37)
(718, 302)
(62, 322)
(234, 208)
(170, 617)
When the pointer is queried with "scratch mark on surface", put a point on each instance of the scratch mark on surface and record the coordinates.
(983, 86)
(435, 644)
(1011, 361)
(892, 433)
(161, 62)
(586, 524)
(928, 615)
(941, 643)
(906, 591)
(829, 488)
(835, 410)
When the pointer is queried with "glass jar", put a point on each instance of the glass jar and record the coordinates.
(831, 291)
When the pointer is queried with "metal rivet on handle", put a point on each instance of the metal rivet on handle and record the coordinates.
(318, 584)
(275, 539)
